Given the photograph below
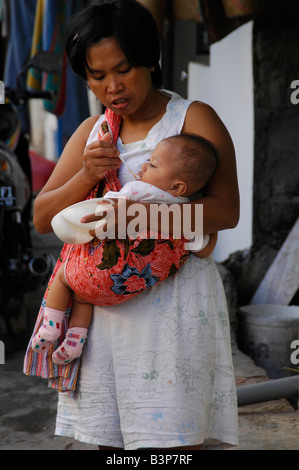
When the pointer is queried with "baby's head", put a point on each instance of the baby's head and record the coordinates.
(181, 165)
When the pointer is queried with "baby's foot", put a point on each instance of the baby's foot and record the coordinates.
(49, 331)
(72, 346)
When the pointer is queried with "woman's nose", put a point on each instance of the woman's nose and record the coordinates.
(114, 85)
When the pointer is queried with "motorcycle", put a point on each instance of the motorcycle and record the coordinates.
(20, 270)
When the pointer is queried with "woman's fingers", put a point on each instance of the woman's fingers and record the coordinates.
(105, 215)
(106, 137)
(99, 157)
(104, 207)
(104, 143)
(95, 161)
(100, 152)
(102, 148)
(124, 218)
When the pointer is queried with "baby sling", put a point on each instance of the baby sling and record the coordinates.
(104, 273)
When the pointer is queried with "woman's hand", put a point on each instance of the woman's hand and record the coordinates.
(121, 219)
(77, 171)
(209, 248)
(99, 157)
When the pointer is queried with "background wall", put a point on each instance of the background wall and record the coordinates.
(227, 85)
(276, 176)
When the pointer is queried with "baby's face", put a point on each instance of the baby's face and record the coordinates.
(160, 169)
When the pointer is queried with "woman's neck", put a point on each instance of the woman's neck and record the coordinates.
(136, 127)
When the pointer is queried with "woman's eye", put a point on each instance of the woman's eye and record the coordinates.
(127, 70)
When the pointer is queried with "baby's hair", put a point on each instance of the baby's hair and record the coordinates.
(197, 161)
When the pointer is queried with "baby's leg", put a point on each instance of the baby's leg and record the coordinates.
(81, 312)
(72, 346)
(56, 304)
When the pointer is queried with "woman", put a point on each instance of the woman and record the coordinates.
(156, 372)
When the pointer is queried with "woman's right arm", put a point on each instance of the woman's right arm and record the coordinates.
(75, 174)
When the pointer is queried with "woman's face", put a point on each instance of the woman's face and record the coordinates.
(115, 82)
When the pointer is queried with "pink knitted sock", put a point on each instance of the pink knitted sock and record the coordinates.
(72, 346)
(49, 331)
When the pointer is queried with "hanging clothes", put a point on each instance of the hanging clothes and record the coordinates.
(55, 20)
(70, 103)
(5, 18)
(48, 35)
(21, 25)
(22, 14)
(34, 77)
(76, 101)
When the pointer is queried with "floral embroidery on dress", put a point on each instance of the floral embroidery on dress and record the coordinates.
(154, 373)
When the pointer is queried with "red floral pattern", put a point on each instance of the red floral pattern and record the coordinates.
(86, 265)
(91, 269)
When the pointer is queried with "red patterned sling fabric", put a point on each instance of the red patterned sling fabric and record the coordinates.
(108, 273)
(105, 273)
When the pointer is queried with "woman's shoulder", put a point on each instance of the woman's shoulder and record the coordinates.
(173, 120)
(86, 128)
(200, 109)
(89, 123)
(202, 119)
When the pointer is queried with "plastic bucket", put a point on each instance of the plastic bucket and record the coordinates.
(268, 334)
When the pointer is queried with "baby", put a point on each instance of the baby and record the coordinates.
(179, 167)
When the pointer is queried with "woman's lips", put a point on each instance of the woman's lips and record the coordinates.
(119, 104)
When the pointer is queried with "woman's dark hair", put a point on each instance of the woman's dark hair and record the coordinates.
(126, 20)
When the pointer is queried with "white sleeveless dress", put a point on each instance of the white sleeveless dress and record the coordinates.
(157, 370)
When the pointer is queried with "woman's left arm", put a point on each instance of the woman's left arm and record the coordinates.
(221, 196)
